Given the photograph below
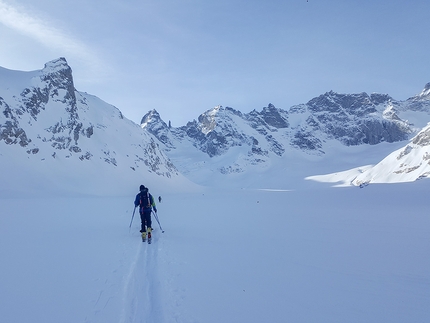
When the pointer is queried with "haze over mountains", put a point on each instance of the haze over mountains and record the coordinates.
(48, 129)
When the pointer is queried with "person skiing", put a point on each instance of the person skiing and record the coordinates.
(146, 203)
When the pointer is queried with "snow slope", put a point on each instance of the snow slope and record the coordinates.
(408, 164)
(278, 254)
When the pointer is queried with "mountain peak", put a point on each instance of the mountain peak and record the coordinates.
(58, 74)
(151, 117)
(58, 126)
(56, 65)
(275, 117)
(425, 94)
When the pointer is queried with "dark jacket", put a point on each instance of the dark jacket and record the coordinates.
(141, 200)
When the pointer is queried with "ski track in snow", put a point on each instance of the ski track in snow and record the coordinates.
(141, 300)
(332, 255)
(129, 282)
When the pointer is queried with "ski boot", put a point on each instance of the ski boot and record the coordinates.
(149, 235)
(143, 236)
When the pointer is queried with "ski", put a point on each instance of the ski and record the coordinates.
(147, 236)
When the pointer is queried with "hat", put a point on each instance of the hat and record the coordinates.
(142, 187)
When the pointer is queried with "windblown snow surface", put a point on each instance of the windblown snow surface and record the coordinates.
(291, 250)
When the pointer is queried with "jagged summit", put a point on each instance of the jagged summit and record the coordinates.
(359, 104)
(257, 137)
(54, 124)
(59, 74)
(425, 93)
(152, 116)
(57, 65)
(419, 102)
(153, 123)
(45, 120)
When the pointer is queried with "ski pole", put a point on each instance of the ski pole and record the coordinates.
(132, 216)
(156, 218)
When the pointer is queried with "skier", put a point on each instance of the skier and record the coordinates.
(159, 199)
(146, 203)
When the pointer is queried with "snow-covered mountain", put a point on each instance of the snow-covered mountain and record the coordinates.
(407, 164)
(51, 131)
(324, 254)
(230, 141)
(46, 123)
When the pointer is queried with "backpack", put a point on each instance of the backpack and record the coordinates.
(145, 200)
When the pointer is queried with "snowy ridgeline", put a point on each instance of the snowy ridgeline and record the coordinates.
(226, 141)
(54, 138)
(266, 238)
(272, 255)
(53, 135)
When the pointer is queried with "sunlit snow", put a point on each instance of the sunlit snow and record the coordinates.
(293, 242)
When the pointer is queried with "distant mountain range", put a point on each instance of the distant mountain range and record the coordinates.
(258, 137)
(45, 120)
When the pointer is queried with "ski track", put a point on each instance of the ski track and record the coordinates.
(128, 301)
(141, 297)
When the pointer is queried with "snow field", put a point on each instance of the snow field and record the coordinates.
(309, 255)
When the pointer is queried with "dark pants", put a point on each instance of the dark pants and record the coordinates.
(145, 218)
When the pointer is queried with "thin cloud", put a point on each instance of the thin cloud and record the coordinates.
(47, 34)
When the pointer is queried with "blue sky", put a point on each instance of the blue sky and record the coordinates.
(185, 57)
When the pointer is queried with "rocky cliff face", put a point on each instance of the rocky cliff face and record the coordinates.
(419, 102)
(43, 113)
(355, 119)
(48, 119)
(52, 94)
(349, 119)
(220, 129)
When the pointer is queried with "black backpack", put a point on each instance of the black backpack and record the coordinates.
(145, 199)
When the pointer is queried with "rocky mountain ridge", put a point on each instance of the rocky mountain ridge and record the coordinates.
(53, 123)
(409, 163)
(311, 128)
(46, 122)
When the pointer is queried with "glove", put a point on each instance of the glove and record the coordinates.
(155, 209)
